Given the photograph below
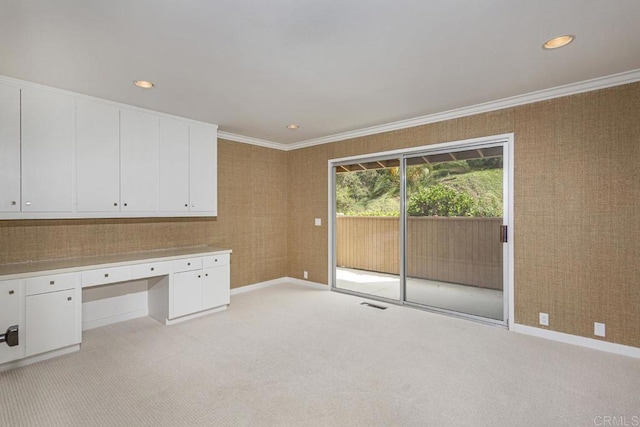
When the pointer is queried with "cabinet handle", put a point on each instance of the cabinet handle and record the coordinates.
(53, 282)
(152, 268)
(69, 298)
(125, 204)
(106, 274)
(206, 275)
(188, 263)
(13, 203)
(215, 260)
(28, 203)
(11, 292)
(115, 204)
(199, 276)
(186, 205)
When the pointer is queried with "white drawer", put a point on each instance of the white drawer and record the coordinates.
(215, 260)
(152, 269)
(52, 283)
(187, 264)
(106, 275)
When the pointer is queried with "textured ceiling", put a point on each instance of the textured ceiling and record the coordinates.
(331, 66)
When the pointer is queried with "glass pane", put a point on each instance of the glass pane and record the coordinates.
(454, 215)
(368, 228)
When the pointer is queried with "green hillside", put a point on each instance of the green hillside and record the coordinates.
(457, 188)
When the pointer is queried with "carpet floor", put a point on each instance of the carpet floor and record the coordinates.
(289, 355)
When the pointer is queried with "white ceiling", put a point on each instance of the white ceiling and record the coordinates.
(331, 66)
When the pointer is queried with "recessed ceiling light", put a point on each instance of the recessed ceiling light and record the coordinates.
(143, 84)
(293, 127)
(559, 41)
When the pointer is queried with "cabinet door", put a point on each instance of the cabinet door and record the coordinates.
(215, 287)
(47, 151)
(52, 321)
(139, 162)
(174, 166)
(9, 149)
(11, 308)
(97, 157)
(187, 293)
(203, 169)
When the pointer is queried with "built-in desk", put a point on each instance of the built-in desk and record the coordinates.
(45, 299)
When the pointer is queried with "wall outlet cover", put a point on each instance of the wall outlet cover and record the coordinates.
(544, 319)
(305, 275)
(318, 222)
(598, 329)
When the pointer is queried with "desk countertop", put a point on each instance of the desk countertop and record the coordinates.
(27, 269)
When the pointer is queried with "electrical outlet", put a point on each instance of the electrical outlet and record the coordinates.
(305, 275)
(544, 319)
(318, 222)
(598, 329)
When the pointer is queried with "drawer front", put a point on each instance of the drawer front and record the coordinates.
(187, 264)
(106, 275)
(52, 283)
(215, 260)
(151, 269)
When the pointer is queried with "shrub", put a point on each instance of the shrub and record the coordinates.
(439, 200)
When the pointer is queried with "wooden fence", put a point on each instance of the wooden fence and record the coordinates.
(459, 250)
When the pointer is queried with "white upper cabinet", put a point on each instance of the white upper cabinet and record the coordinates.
(97, 157)
(9, 149)
(174, 165)
(139, 161)
(64, 155)
(48, 133)
(203, 169)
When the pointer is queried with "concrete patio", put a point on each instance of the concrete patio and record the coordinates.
(460, 298)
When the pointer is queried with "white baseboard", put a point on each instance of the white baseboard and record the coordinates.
(307, 283)
(278, 281)
(609, 347)
(39, 357)
(256, 286)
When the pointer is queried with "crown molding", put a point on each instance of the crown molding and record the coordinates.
(253, 141)
(528, 98)
(514, 101)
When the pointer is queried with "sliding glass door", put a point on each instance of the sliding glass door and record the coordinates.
(454, 219)
(425, 228)
(367, 228)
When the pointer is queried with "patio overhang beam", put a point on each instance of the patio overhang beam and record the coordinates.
(480, 153)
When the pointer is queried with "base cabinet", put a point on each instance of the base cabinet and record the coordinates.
(52, 321)
(187, 293)
(201, 289)
(215, 287)
(47, 306)
(11, 314)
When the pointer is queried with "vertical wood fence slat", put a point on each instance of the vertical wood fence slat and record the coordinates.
(458, 250)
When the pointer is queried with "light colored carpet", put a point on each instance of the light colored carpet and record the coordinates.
(291, 355)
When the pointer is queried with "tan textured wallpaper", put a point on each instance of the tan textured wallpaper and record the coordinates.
(577, 205)
(252, 212)
(577, 213)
